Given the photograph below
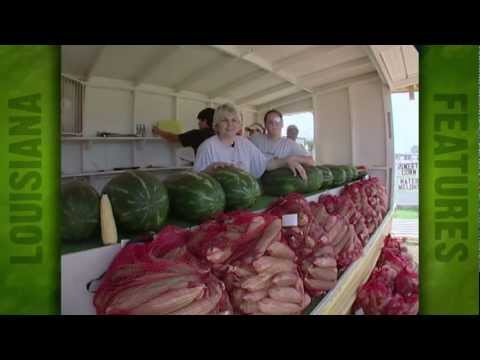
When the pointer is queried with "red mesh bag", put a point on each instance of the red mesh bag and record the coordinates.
(373, 297)
(400, 305)
(330, 203)
(350, 253)
(406, 282)
(140, 281)
(393, 285)
(230, 236)
(293, 204)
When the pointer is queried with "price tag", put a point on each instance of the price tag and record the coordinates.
(290, 220)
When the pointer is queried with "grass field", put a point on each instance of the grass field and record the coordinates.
(406, 213)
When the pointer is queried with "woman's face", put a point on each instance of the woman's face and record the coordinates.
(229, 126)
(274, 124)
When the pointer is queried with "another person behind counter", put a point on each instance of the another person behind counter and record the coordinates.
(274, 146)
(228, 149)
(292, 132)
(193, 138)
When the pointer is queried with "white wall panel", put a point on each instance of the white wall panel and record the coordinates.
(297, 107)
(151, 108)
(189, 110)
(333, 128)
(108, 155)
(366, 101)
(108, 110)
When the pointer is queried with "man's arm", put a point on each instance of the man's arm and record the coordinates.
(307, 160)
(165, 134)
(292, 162)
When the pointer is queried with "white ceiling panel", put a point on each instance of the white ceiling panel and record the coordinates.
(255, 86)
(235, 72)
(327, 59)
(272, 53)
(182, 64)
(328, 76)
(76, 59)
(125, 61)
(275, 96)
(222, 77)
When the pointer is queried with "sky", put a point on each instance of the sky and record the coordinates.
(405, 122)
(304, 122)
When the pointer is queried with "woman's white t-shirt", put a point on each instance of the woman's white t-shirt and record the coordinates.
(243, 154)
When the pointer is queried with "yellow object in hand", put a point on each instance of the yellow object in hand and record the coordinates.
(172, 126)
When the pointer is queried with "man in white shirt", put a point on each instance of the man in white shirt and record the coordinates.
(274, 146)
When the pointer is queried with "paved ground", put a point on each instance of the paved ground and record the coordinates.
(405, 227)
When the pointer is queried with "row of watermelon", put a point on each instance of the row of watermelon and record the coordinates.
(141, 202)
(281, 182)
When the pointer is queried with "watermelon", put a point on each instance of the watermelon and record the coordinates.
(355, 172)
(195, 197)
(241, 189)
(327, 177)
(348, 172)
(280, 182)
(314, 181)
(339, 175)
(81, 211)
(139, 201)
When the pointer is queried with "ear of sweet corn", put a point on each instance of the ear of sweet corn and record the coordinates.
(109, 229)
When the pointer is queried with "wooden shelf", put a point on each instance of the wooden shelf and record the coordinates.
(112, 139)
(113, 172)
(340, 299)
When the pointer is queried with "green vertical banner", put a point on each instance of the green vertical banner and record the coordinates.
(29, 179)
(449, 180)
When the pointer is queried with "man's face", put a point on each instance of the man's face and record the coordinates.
(292, 133)
(274, 124)
(202, 124)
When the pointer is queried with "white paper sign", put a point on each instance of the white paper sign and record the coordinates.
(290, 220)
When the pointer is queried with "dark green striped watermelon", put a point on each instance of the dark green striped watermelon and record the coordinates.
(195, 196)
(314, 181)
(281, 182)
(348, 172)
(241, 189)
(327, 177)
(339, 175)
(355, 172)
(139, 201)
(81, 211)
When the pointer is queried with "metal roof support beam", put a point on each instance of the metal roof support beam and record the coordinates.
(261, 63)
(94, 64)
(263, 93)
(155, 63)
(304, 55)
(339, 68)
(237, 83)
